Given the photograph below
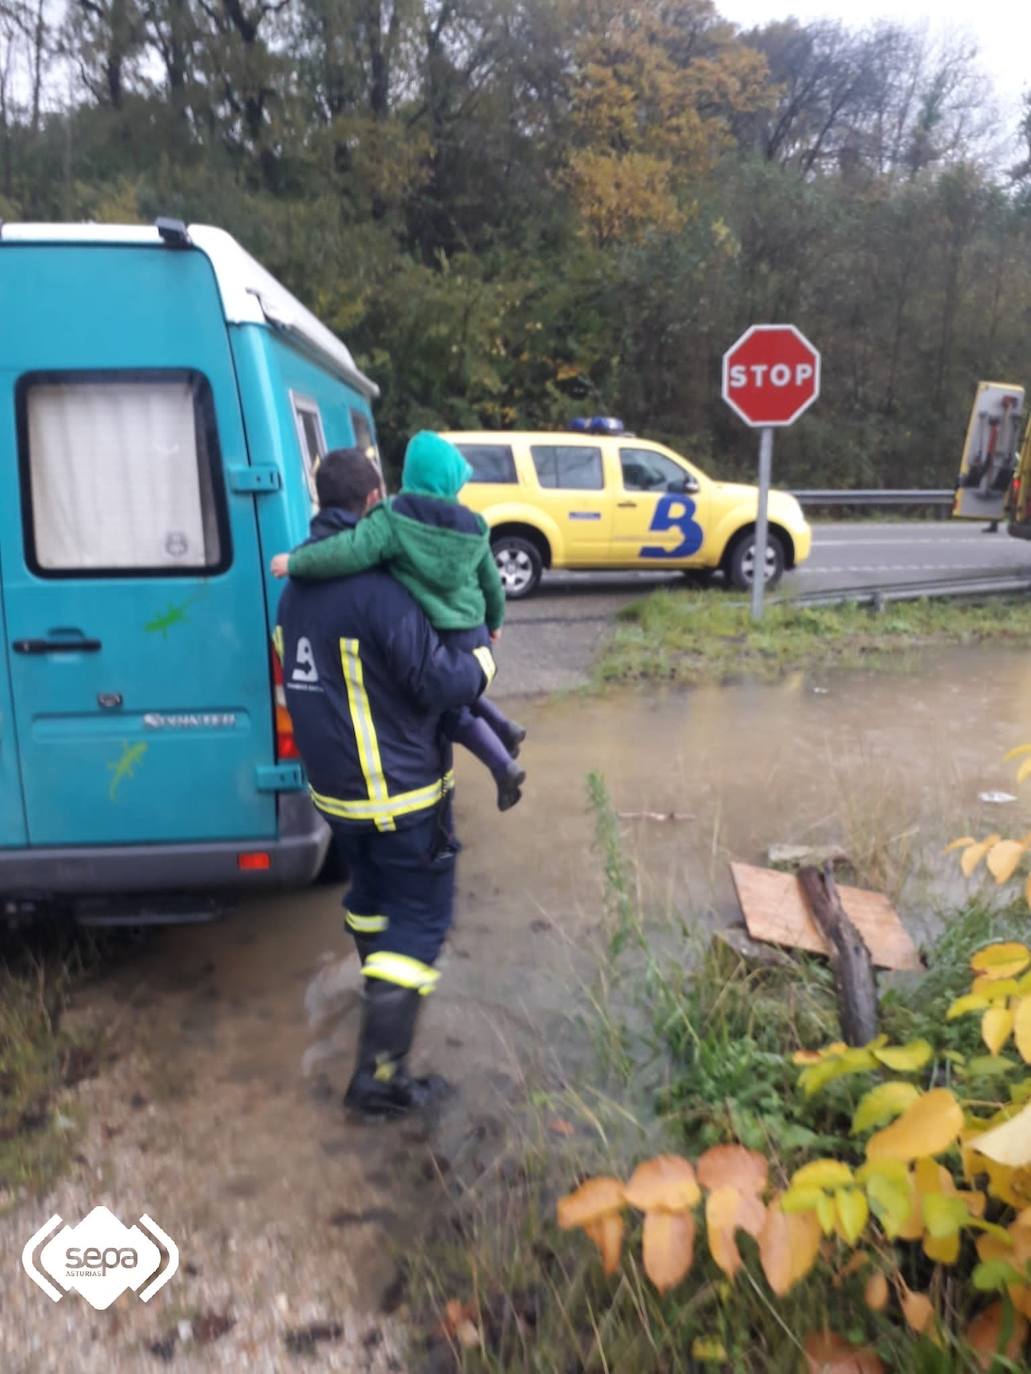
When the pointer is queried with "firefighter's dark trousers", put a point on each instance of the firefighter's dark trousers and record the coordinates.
(401, 898)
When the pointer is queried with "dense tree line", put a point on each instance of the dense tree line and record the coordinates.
(520, 210)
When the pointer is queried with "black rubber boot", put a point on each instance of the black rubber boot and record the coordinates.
(509, 782)
(382, 1085)
(513, 737)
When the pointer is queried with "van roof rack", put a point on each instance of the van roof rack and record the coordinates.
(173, 232)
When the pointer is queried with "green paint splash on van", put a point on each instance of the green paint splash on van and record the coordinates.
(124, 767)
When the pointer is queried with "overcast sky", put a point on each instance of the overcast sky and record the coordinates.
(1002, 31)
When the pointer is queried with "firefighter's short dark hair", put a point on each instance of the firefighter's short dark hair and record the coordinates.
(344, 478)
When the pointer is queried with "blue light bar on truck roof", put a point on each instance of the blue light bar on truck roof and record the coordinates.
(596, 424)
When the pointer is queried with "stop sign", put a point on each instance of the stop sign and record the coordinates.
(771, 375)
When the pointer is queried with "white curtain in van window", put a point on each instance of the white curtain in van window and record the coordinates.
(116, 481)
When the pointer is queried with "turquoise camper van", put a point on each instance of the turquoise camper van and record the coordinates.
(164, 402)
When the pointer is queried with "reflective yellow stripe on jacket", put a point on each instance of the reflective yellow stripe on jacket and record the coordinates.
(365, 733)
(383, 813)
(378, 805)
(485, 659)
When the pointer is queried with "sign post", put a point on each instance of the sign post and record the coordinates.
(762, 521)
(770, 376)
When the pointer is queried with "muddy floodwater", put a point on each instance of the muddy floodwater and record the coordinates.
(220, 1117)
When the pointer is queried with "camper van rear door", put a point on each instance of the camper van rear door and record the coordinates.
(12, 809)
(142, 695)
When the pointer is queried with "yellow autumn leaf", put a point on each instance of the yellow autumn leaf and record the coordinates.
(974, 853)
(594, 1199)
(994, 989)
(721, 1211)
(668, 1247)
(905, 1058)
(822, 1173)
(927, 1127)
(1022, 1028)
(942, 1249)
(853, 1212)
(917, 1310)
(895, 1204)
(964, 842)
(1024, 770)
(963, 1005)
(826, 1214)
(733, 1166)
(996, 1025)
(1016, 753)
(1009, 1143)
(876, 1293)
(607, 1234)
(944, 1215)
(708, 1350)
(882, 1104)
(1003, 859)
(1002, 960)
(788, 1247)
(666, 1182)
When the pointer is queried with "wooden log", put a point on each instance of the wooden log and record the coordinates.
(850, 958)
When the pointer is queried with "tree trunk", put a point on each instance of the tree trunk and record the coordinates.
(850, 958)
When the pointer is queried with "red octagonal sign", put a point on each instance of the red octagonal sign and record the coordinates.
(771, 375)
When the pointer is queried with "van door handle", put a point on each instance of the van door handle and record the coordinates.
(56, 646)
(628, 505)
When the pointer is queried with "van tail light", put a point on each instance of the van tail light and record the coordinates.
(286, 745)
(257, 861)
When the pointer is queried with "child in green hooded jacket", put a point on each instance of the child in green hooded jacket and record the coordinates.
(441, 553)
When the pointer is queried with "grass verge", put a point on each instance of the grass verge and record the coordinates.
(705, 1061)
(38, 1058)
(699, 637)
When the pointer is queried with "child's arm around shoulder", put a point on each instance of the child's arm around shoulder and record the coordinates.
(493, 591)
(351, 551)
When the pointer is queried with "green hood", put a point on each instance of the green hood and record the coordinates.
(434, 467)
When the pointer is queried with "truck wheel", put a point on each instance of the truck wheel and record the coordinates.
(519, 563)
(741, 561)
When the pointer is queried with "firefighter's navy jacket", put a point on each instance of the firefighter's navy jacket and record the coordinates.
(366, 680)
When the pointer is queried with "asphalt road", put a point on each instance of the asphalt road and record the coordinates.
(550, 640)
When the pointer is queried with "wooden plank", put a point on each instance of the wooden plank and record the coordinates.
(775, 910)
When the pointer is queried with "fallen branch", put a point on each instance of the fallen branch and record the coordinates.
(850, 958)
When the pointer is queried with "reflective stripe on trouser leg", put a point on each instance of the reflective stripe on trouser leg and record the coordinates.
(364, 925)
(401, 970)
(364, 930)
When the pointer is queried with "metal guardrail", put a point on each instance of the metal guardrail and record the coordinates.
(976, 584)
(871, 497)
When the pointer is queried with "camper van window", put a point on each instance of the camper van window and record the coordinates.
(311, 439)
(363, 436)
(119, 473)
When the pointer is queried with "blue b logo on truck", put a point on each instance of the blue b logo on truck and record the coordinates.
(675, 513)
